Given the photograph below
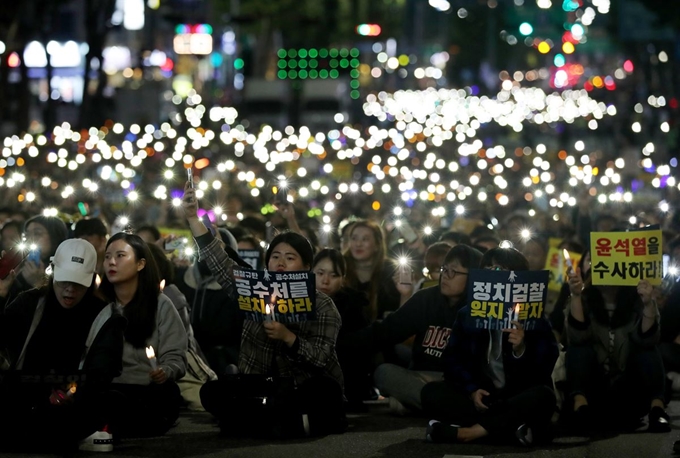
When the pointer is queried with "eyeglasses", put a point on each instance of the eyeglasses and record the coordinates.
(69, 284)
(450, 273)
(494, 268)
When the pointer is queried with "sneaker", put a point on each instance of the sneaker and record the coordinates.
(439, 432)
(429, 430)
(99, 441)
(525, 435)
(659, 421)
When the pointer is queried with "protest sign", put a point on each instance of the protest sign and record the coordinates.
(557, 267)
(251, 257)
(286, 297)
(498, 297)
(625, 258)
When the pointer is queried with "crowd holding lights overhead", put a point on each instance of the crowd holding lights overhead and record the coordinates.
(423, 146)
(431, 153)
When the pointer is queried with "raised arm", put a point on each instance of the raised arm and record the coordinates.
(190, 207)
(211, 249)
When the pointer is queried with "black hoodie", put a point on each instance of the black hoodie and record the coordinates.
(428, 316)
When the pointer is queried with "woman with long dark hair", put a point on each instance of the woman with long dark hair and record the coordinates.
(150, 399)
(300, 353)
(330, 270)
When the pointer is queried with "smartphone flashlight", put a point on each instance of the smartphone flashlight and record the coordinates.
(405, 275)
(190, 176)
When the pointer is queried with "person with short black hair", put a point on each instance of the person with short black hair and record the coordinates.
(94, 231)
(511, 367)
(455, 238)
(149, 233)
(428, 316)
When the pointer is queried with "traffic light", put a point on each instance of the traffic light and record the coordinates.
(368, 30)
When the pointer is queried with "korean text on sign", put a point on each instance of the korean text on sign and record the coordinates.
(500, 297)
(625, 258)
(287, 297)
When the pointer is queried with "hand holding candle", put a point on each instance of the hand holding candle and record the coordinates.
(65, 397)
(516, 336)
(567, 259)
(71, 390)
(152, 357)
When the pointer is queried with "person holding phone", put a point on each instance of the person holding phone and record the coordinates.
(428, 316)
(497, 383)
(46, 233)
(61, 328)
(214, 315)
(286, 211)
(304, 352)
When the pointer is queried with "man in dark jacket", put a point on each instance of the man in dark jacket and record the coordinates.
(428, 317)
(497, 382)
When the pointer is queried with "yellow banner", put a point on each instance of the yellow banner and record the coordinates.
(556, 265)
(625, 258)
(166, 231)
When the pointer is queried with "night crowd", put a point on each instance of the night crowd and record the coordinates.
(106, 336)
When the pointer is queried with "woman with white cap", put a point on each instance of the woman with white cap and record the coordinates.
(65, 346)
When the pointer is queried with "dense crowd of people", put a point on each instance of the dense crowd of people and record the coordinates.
(106, 336)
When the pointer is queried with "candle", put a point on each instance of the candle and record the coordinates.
(515, 315)
(97, 280)
(567, 259)
(162, 285)
(152, 357)
(71, 390)
(267, 313)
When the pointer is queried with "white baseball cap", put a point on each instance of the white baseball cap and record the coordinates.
(76, 261)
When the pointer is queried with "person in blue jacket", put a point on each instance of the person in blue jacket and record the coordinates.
(497, 383)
